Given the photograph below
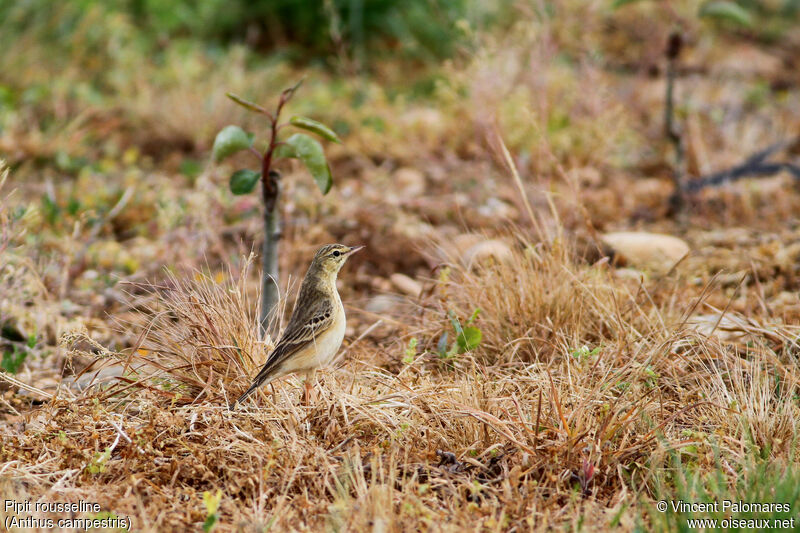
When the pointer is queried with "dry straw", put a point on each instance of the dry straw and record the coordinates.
(582, 386)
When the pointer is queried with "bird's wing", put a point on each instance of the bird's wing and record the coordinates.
(303, 329)
(305, 326)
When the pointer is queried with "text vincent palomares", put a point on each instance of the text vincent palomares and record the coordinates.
(681, 506)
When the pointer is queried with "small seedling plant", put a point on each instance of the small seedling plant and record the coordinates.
(211, 503)
(233, 139)
(467, 337)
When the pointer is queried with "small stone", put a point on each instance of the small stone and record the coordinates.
(629, 274)
(653, 251)
(383, 303)
(727, 328)
(410, 182)
(453, 249)
(405, 284)
(492, 248)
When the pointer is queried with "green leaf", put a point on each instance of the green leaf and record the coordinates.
(285, 150)
(243, 181)
(441, 346)
(230, 140)
(211, 521)
(247, 104)
(310, 152)
(316, 127)
(12, 360)
(726, 11)
(469, 338)
(453, 351)
(454, 321)
(411, 351)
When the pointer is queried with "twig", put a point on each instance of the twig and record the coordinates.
(5, 376)
(671, 131)
(754, 166)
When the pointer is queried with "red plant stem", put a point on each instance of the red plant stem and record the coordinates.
(269, 189)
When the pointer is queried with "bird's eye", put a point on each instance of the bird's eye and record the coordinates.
(337, 253)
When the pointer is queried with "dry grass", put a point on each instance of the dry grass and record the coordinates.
(581, 389)
(195, 337)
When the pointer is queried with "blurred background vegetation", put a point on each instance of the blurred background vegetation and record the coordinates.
(360, 33)
(63, 57)
(119, 94)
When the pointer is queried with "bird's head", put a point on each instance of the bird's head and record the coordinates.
(331, 257)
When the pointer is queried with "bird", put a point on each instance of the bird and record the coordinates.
(316, 328)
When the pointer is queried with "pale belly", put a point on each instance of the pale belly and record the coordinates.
(322, 352)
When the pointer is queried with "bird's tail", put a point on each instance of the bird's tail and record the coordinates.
(260, 379)
(244, 396)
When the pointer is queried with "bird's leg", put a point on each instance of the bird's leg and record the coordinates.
(310, 381)
(307, 395)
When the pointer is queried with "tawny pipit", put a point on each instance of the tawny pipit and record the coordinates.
(316, 328)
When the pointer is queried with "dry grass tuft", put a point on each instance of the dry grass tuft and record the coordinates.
(197, 338)
(543, 302)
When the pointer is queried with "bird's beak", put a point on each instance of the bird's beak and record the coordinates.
(354, 249)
